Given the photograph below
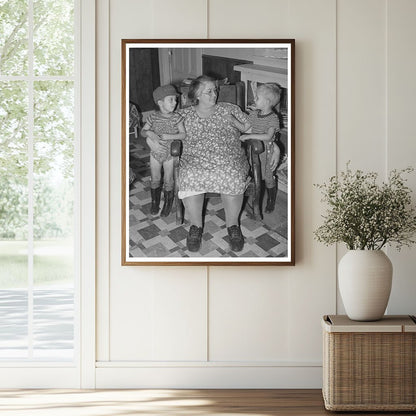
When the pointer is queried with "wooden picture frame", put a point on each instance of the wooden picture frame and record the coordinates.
(238, 67)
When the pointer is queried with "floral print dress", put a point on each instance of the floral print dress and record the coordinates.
(213, 159)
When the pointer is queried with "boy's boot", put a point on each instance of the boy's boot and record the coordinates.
(167, 205)
(252, 203)
(271, 198)
(155, 193)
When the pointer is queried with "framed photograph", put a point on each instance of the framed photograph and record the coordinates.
(208, 156)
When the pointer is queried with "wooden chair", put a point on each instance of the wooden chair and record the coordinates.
(134, 127)
(134, 120)
(235, 94)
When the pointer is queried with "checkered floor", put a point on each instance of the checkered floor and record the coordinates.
(154, 236)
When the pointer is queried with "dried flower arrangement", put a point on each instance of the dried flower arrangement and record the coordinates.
(366, 215)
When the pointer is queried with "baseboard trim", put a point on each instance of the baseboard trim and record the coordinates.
(204, 364)
(210, 377)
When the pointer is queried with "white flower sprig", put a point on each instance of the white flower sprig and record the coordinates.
(365, 215)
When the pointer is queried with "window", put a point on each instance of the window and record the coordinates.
(38, 184)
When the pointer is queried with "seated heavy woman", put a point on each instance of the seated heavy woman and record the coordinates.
(212, 160)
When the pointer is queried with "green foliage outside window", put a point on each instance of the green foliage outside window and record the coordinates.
(14, 32)
(53, 118)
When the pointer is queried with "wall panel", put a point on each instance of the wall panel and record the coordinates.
(248, 314)
(401, 133)
(237, 19)
(361, 89)
(312, 283)
(139, 327)
(159, 316)
(361, 84)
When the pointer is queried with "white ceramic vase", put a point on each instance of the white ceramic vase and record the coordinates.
(364, 278)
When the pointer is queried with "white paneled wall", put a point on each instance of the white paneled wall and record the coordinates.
(401, 131)
(241, 19)
(361, 88)
(254, 326)
(361, 84)
(248, 316)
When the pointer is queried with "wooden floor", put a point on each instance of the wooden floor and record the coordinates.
(165, 402)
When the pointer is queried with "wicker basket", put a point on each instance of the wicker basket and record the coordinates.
(369, 366)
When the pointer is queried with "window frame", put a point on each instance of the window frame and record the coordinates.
(81, 371)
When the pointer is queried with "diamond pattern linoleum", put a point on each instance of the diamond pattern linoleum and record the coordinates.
(154, 236)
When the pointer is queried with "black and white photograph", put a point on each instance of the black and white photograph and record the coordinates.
(208, 154)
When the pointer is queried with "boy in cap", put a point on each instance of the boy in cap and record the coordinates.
(160, 129)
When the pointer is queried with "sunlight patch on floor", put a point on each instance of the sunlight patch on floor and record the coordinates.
(111, 403)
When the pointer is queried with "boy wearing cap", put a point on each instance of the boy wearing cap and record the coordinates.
(160, 129)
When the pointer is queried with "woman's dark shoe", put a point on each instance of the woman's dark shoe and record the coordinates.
(193, 240)
(236, 238)
(271, 199)
(155, 194)
(167, 205)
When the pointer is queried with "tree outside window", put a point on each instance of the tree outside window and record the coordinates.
(37, 125)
